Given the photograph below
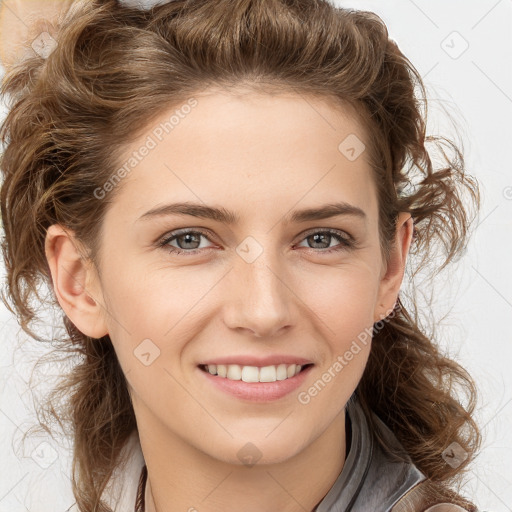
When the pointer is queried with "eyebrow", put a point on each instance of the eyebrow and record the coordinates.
(225, 216)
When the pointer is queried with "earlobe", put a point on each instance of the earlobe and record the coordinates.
(76, 289)
(392, 279)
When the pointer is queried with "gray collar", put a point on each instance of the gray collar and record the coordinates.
(370, 479)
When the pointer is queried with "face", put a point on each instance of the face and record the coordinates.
(179, 290)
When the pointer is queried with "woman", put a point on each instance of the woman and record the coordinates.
(255, 370)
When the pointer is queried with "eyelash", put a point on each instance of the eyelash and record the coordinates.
(345, 242)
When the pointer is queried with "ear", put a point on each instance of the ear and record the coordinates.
(75, 282)
(394, 272)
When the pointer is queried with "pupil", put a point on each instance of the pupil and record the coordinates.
(317, 236)
(188, 238)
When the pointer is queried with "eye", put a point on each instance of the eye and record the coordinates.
(323, 237)
(184, 238)
(189, 241)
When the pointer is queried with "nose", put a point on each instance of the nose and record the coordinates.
(261, 301)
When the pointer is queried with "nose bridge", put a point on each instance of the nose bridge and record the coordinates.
(260, 297)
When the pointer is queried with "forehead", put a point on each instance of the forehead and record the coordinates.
(243, 147)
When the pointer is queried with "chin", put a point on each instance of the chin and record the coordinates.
(258, 452)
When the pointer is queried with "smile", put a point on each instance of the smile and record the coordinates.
(270, 373)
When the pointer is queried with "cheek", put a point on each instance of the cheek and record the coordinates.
(155, 311)
(344, 305)
(342, 296)
(343, 300)
(144, 297)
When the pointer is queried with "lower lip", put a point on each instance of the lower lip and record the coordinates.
(257, 391)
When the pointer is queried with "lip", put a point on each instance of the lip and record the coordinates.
(248, 360)
(256, 391)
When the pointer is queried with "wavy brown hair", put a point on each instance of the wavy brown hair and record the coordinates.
(115, 68)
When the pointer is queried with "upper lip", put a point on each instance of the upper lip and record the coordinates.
(248, 360)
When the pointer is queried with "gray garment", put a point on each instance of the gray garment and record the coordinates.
(370, 480)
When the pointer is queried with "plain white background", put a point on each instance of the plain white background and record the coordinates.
(463, 50)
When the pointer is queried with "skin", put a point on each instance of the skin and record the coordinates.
(23, 21)
(261, 156)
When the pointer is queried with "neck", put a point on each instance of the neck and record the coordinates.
(178, 481)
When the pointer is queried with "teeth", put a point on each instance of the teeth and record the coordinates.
(254, 373)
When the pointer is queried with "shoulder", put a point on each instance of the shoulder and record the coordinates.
(429, 497)
(446, 507)
(440, 507)
(413, 490)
